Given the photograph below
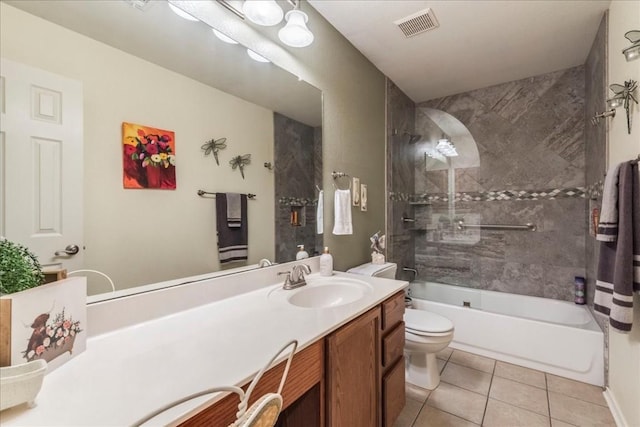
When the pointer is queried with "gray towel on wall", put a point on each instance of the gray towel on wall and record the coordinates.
(232, 241)
(234, 210)
(608, 225)
(619, 264)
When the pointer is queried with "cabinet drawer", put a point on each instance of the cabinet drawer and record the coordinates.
(393, 393)
(392, 311)
(393, 345)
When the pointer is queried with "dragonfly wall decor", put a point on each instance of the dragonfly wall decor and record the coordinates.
(624, 94)
(240, 162)
(213, 146)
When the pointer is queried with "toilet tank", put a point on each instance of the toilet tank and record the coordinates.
(386, 270)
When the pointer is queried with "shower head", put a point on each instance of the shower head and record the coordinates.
(413, 137)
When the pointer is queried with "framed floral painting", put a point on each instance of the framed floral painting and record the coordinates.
(148, 157)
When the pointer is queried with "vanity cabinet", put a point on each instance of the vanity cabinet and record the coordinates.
(393, 396)
(365, 379)
(352, 372)
(305, 374)
(354, 377)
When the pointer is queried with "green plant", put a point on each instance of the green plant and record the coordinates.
(19, 268)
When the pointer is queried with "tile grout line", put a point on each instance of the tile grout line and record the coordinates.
(486, 403)
(546, 387)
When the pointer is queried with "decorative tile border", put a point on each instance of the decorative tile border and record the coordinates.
(489, 196)
(297, 201)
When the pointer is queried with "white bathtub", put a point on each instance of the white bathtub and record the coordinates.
(553, 336)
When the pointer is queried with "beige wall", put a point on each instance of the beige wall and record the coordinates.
(143, 236)
(624, 349)
(353, 133)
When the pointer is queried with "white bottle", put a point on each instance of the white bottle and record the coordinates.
(326, 263)
(302, 254)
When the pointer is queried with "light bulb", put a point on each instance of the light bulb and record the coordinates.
(225, 38)
(263, 12)
(256, 57)
(181, 13)
(296, 33)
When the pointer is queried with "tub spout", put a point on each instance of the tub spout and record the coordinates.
(411, 270)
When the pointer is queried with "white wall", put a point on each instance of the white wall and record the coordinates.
(143, 236)
(624, 349)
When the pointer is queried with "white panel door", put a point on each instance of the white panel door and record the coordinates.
(41, 172)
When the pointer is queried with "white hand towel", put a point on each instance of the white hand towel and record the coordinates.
(320, 213)
(342, 207)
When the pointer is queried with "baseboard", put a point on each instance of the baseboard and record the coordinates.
(618, 416)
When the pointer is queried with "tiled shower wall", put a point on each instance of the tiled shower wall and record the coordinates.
(530, 138)
(400, 178)
(596, 141)
(297, 169)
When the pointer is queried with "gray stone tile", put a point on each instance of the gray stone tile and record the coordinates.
(548, 248)
(408, 414)
(474, 361)
(579, 390)
(559, 282)
(579, 412)
(500, 414)
(521, 395)
(432, 417)
(521, 374)
(458, 401)
(467, 378)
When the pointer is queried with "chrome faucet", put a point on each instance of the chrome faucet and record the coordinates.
(295, 277)
(264, 263)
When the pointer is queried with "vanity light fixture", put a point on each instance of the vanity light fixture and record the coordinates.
(632, 52)
(295, 33)
(181, 13)
(446, 147)
(435, 154)
(256, 57)
(225, 38)
(263, 12)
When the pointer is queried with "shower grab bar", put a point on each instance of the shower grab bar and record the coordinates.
(526, 227)
(406, 219)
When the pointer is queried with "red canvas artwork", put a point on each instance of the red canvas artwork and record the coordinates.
(148, 157)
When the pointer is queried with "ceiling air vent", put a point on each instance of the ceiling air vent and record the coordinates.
(417, 23)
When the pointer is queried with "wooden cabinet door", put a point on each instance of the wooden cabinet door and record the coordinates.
(353, 358)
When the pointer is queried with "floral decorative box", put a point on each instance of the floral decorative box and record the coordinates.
(44, 323)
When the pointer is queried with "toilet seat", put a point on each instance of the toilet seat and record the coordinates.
(420, 322)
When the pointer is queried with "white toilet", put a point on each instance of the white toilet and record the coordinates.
(425, 333)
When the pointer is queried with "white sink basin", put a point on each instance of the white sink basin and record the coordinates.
(324, 292)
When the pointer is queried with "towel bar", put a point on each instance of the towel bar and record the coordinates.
(202, 193)
(526, 227)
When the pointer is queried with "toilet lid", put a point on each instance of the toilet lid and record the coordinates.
(370, 269)
(424, 321)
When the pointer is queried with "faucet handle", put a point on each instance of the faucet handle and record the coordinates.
(287, 280)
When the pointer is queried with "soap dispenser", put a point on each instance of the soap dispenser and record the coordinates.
(302, 254)
(326, 263)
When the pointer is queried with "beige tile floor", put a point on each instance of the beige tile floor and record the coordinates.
(476, 390)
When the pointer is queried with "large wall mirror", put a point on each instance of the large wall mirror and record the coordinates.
(154, 68)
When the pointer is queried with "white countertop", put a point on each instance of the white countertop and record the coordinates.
(128, 372)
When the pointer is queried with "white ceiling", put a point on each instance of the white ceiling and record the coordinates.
(159, 36)
(479, 43)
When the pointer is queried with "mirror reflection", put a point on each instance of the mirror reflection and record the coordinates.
(152, 68)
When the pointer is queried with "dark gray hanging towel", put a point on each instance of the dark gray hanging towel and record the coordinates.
(619, 263)
(232, 240)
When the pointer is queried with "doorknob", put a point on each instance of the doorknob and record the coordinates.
(69, 250)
